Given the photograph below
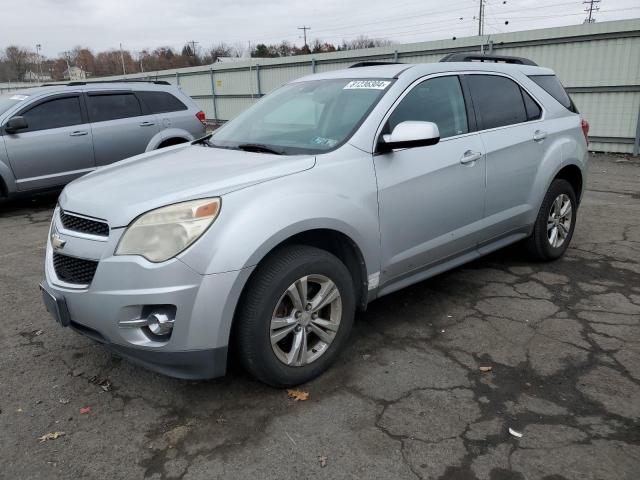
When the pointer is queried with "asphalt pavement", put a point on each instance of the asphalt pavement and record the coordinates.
(503, 369)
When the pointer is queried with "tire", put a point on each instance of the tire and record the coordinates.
(272, 298)
(541, 244)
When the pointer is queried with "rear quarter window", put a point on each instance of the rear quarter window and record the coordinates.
(551, 85)
(161, 102)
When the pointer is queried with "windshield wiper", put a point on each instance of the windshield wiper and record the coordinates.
(257, 147)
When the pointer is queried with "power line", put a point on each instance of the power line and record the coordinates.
(592, 7)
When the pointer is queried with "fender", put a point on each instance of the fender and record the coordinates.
(256, 219)
(7, 178)
(559, 154)
(165, 134)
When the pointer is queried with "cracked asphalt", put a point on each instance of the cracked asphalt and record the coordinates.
(406, 400)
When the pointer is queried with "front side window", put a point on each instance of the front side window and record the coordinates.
(304, 117)
(498, 101)
(112, 106)
(438, 100)
(56, 113)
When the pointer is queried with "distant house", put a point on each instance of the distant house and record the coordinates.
(30, 76)
(75, 74)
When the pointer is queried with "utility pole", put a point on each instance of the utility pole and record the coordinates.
(193, 44)
(124, 71)
(481, 18)
(592, 6)
(304, 29)
(38, 48)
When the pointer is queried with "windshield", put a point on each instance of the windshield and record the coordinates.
(9, 100)
(306, 117)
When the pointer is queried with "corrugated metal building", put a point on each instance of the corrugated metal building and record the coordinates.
(599, 63)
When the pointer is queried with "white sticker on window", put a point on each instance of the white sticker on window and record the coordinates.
(19, 97)
(368, 84)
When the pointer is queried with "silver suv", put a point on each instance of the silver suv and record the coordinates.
(53, 134)
(330, 192)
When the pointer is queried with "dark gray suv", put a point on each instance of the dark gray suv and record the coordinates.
(53, 134)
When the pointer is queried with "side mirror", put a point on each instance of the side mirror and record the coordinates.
(16, 123)
(410, 134)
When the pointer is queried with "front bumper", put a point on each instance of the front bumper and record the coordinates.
(125, 285)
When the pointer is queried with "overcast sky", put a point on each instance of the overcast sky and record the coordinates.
(59, 25)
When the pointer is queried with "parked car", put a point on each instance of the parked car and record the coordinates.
(51, 135)
(330, 192)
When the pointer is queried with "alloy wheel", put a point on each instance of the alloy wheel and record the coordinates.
(306, 320)
(559, 220)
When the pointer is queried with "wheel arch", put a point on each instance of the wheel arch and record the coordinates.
(572, 174)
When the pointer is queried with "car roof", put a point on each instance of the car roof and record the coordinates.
(400, 69)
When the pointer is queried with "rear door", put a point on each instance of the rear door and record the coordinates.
(56, 146)
(121, 126)
(513, 135)
(431, 198)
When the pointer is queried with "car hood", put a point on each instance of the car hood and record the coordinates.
(120, 192)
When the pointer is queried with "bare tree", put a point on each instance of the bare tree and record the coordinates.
(18, 59)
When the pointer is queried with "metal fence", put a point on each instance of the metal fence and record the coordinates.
(599, 64)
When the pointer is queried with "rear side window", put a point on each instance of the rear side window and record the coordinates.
(551, 85)
(113, 106)
(161, 102)
(498, 100)
(56, 113)
(438, 100)
(533, 109)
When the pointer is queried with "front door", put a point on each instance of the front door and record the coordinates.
(56, 146)
(431, 199)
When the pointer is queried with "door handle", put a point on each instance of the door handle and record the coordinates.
(470, 157)
(147, 124)
(78, 133)
(539, 135)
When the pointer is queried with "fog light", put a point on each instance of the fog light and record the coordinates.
(160, 323)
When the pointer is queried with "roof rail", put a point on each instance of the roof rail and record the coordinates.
(481, 57)
(373, 64)
(91, 82)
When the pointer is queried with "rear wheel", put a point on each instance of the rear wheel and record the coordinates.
(555, 223)
(295, 316)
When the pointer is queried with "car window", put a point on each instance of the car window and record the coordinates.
(498, 100)
(437, 100)
(534, 112)
(112, 106)
(10, 100)
(161, 102)
(304, 117)
(551, 85)
(56, 113)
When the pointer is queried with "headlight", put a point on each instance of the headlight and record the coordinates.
(162, 234)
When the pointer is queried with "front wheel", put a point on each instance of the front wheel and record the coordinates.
(555, 223)
(295, 316)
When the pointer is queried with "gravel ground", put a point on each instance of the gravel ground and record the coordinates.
(407, 399)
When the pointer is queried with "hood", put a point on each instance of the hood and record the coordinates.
(120, 192)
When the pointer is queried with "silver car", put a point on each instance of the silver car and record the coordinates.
(53, 134)
(330, 192)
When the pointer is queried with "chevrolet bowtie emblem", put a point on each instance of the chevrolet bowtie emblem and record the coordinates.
(56, 242)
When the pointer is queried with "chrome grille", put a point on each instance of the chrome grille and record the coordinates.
(83, 225)
(74, 270)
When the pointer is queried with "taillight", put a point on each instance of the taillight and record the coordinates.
(585, 130)
(203, 119)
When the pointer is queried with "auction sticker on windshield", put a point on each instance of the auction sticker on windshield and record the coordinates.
(368, 84)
